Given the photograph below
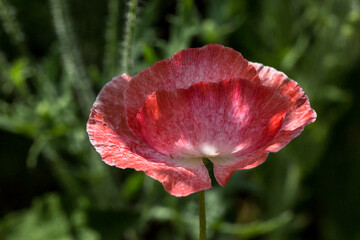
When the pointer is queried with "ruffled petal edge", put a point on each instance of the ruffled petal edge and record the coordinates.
(117, 146)
(300, 112)
(225, 169)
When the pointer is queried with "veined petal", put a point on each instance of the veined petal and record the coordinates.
(233, 117)
(204, 102)
(116, 144)
(300, 113)
(224, 169)
(211, 63)
(181, 181)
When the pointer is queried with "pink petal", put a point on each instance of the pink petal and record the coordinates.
(111, 137)
(230, 118)
(211, 63)
(224, 170)
(206, 102)
(300, 113)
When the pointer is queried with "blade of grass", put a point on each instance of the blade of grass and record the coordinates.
(255, 228)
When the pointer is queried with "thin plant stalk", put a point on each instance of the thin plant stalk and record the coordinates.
(12, 26)
(73, 63)
(111, 40)
(129, 35)
(202, 216)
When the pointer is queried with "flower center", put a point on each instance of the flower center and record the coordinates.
(209, 150)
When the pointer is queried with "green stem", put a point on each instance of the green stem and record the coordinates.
(11, 25)
(111, 41)
(202, 216)
(129, 35)
(71, 56)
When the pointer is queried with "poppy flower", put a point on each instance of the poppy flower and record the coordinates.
(205, 102)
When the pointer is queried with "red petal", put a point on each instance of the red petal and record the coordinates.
(224, 170)
(232, 117)
(211, 63)
(181, 181)
(300, 113)
(111, 137)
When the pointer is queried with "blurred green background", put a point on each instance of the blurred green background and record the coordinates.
(56, 55)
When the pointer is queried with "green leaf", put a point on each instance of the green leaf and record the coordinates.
(255, 228)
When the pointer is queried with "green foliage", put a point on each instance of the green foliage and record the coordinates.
(48, 213)
(45, 96)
